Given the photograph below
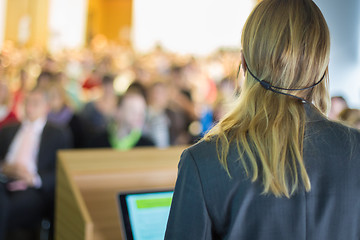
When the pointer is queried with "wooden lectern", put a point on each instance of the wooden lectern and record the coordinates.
(88, 182)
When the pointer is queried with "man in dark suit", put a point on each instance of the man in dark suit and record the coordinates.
(27, 166)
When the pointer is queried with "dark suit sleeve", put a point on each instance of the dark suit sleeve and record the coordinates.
(189, 218)
(55, 140)
(7, 135)
(2, 145)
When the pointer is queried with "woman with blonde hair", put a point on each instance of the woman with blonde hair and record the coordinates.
(274, 167)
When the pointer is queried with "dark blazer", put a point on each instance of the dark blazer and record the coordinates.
(53, 138)
(207, 204)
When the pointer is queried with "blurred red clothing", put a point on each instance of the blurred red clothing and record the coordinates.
(91, 82)
(10, 118)
(18, 99)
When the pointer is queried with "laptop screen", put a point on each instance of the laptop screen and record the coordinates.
(145, 214)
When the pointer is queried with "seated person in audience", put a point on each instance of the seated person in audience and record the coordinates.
(63, 115)
(27, 163)
(125, 131)
(137, 87)
(350, 117)
(45, 79)
(18, 96)
(157, 122)
(97, 113)
(6, 114)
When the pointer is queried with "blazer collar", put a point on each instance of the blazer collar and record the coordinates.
(313, 114)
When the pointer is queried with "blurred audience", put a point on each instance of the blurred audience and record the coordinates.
(181, 110)
(193, 92)
(28, 159)
(180, 107)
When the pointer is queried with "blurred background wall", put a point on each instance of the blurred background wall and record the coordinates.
(189, 26)
(26, 22)
(343, 18)
(2, 20)
(67, 24)
(185, 26)
(112, 18)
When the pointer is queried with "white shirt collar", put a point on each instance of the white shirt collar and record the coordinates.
(38, 124)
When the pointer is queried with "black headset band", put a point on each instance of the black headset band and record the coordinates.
(266, 85)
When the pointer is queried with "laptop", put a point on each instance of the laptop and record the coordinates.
(144, 215)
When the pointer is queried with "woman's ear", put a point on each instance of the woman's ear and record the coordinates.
(243, 63)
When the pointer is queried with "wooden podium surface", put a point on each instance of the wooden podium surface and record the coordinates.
(88, 182)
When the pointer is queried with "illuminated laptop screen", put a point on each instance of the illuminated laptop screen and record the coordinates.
(145, 215)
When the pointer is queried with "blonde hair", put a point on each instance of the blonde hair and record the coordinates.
(285, 43)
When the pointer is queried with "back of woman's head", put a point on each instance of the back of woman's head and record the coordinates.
(285, 43)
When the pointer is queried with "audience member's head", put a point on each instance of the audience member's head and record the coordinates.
(49, 65)
(338, 104)
(138, 88)
(350, 117)
(130, 113)
(177, 76)
(36, 104)
(44, 79)
(24, 76)
(61, 77)
(107, 83)
(158, 96)
(4, 94)
(57, 97)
